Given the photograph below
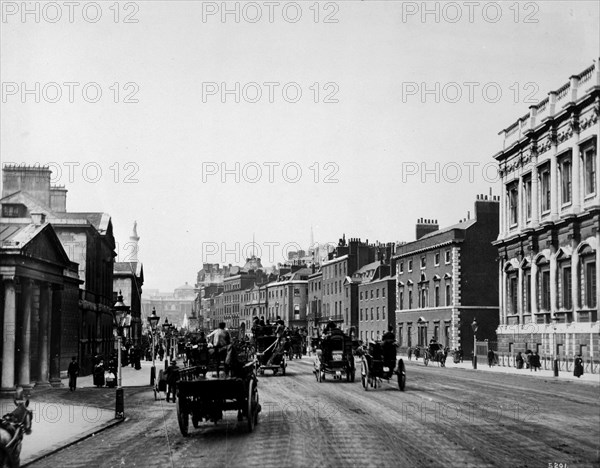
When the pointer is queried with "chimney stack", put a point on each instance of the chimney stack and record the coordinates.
(425, 226)
(38, 218)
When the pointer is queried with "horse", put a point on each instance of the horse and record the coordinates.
(12, 427)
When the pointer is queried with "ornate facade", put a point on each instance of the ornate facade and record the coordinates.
(549, 257)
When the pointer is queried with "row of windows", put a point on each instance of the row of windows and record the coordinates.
(366, 296)
(565, 189)
(423, 261)
(372, 316)
(315, 286)
(338, 269)
(423, 297)
(564, 287)
(422, 334)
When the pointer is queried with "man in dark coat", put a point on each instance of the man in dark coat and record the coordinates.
(73, 372)
(172, 378)
(578, 367)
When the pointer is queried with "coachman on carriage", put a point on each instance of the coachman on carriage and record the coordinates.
(225, 381)
(335, 356)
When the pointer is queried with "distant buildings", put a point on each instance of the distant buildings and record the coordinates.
(173, 306)
(376, 300)
(445, 280)
(549, 241)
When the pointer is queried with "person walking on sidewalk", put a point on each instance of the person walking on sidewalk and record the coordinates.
(535, 361)
(490, 358)
(519, 360)
(578, 367)
(73, 373)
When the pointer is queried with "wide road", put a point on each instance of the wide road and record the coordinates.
(445, 418)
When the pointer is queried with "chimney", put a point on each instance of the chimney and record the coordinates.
(425, 226)
(38, 218)
(34, 180)
(58, 199)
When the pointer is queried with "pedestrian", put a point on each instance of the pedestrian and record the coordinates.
(519, 360)
(490, 358)
(172, 378)
(578, 367)
(460, 353)
(73, 373)
(409, 353)
(535, 361)
(99, 374)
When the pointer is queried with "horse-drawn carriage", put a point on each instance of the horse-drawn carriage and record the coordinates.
(206, 390)
(436, 352)
(379, 363)
(270, 354)
(335, 356)
(12, 428)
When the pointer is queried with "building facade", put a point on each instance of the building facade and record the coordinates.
(548, 245)
(315, 297)
(86, 237)
(444, 281)
(376, 300)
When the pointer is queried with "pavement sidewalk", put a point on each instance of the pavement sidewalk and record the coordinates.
(62, 418)
(483, 367)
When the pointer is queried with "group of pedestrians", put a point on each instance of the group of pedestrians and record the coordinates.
(531, 360)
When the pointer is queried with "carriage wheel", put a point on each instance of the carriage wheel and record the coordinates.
(252, 411)
(364, 373)
(182, 418)
(401, 375)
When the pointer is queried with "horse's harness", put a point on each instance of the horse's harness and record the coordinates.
(15, 423)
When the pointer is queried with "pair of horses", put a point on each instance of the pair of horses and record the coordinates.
(12, 428)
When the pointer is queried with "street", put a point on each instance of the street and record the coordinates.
(446, 417)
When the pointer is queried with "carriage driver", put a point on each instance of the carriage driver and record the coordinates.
(389, 335)
(220, 338)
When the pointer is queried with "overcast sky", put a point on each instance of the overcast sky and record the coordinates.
(352, 162)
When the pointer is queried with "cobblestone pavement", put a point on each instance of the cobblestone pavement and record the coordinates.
(446, 417)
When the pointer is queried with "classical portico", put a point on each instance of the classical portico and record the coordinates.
(35, 272)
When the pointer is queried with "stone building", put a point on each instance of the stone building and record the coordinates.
(39, 316)
(173, 306)
(549, 240)
(315, 318)
(86, 237)
(376, 300)
(444, 280)
(287, 297)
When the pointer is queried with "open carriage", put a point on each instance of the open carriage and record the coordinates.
(335, 357)
(270, 354)
(379, 363)
(205, 391)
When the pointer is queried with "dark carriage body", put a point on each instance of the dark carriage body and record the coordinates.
(205, 391)
(335, 356)
(270, 354)
(379, 363)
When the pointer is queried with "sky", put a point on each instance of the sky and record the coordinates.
(212, 124)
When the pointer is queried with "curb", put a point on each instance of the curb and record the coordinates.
(57, 448)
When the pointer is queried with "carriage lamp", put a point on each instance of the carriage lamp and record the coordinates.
(119, 311)
(153, 321)
(474, 327)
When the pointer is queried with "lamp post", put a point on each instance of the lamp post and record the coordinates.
(554, 353)
(119, 310)
(474, 327)
(153, 321)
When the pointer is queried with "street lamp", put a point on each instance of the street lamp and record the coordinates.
(555, 321)
(119, 310)
(474, 327)
(153, 321)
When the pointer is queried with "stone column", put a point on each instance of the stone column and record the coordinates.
(504, 290)
(554, 182)
(575, 282)
(44, 333)
(553, 282)
(535, 217)
(576, 177)
(501, 301)
(520, 305)
(8, 338)
(534, 293)
(597, 272)
(24, 361)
